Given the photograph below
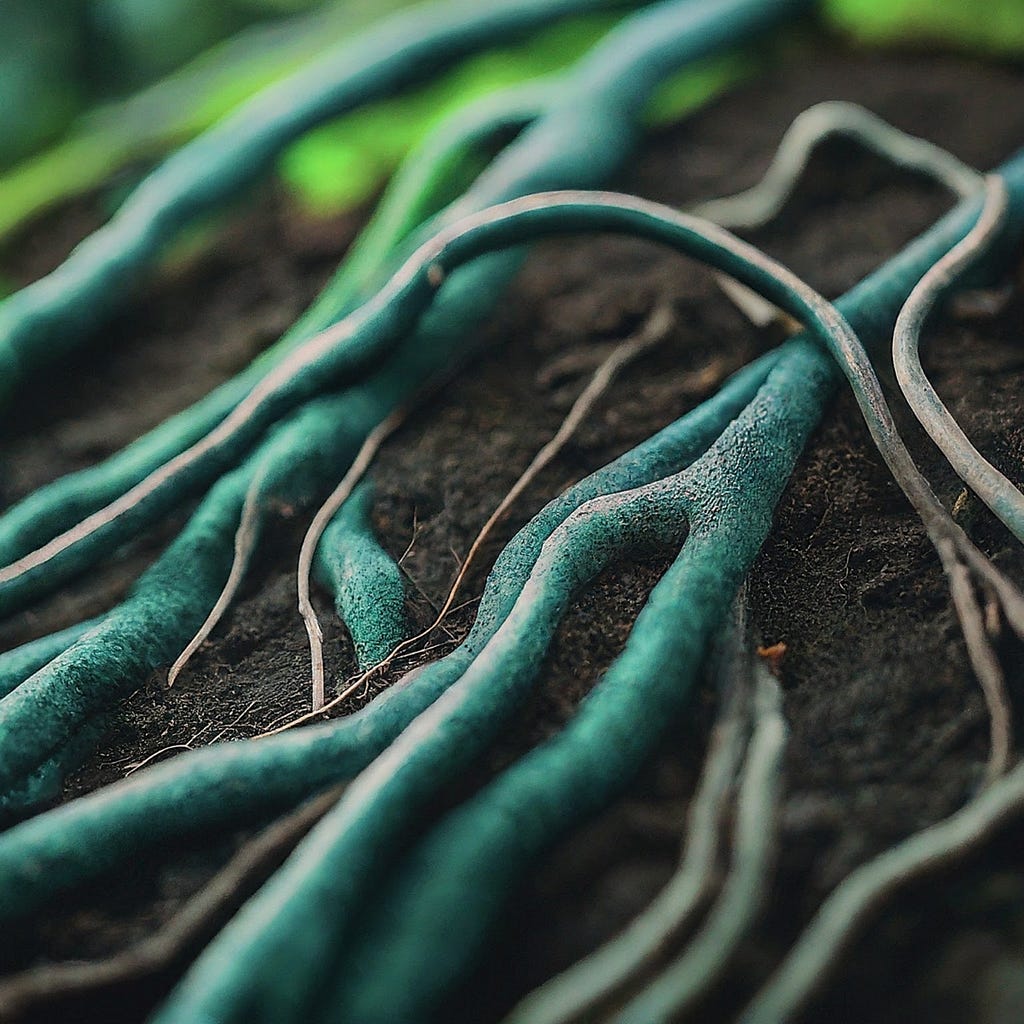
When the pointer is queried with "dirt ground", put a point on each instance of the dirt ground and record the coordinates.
(888, 727)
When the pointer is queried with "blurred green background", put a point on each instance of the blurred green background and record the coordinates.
(88, 87)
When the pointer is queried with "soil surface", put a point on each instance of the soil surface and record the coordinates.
(888, 728)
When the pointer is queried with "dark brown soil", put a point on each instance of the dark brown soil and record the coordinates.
(888, 727)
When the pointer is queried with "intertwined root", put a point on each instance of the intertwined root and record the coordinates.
(975, 584)
(746, 721)
(708, 483)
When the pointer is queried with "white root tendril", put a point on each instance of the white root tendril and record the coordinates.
(324, 515)
(994, 489)
(758, 205)
(245, 543)
(818, 948)
(761, 203)
(679, 986)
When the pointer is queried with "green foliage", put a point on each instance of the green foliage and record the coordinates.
(341, 164)
(345, 163)
(994, 27)
(146, 125)
(36, 98)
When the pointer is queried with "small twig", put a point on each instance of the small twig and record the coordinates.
(657, 325)
(412, 539)
(415, 584)
(984, 662)
(358, 682)
(463, 604)
(570, 365)
(227, 728)
(156, 753)
(189, 744)
(180, 937)
(758, 310)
